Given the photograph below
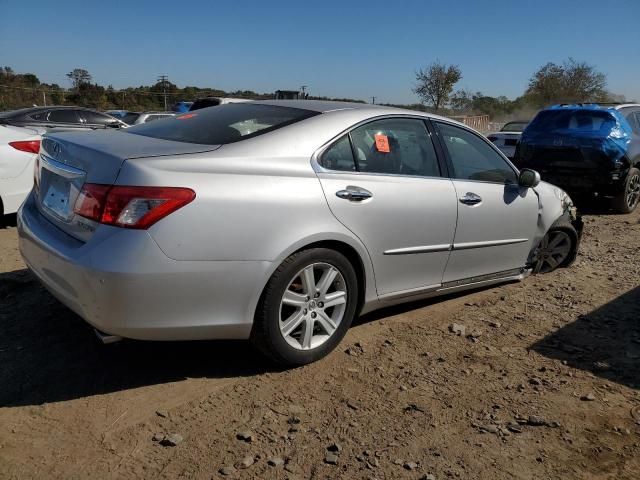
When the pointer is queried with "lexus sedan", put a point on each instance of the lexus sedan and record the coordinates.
(280, 221)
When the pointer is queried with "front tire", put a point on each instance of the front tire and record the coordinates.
(557, 248)
(306, 307)
(628, 200)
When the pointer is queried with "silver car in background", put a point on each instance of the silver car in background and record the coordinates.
(508, 136)
(136, 118)
(280, 221)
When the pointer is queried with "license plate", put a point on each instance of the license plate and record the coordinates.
(56, 198)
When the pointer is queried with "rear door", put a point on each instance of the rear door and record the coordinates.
(497, 219)
(384, 183)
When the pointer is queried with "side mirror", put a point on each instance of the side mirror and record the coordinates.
(528, 178)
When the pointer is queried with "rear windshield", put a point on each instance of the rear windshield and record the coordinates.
(579, 121)
(514, 127)
(224, 124)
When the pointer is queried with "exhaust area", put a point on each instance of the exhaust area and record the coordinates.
(105, 338)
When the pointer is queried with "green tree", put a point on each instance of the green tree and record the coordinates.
(78, 77)
(569, 82)
(435, 83)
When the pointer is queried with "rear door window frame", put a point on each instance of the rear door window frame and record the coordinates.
(429, 130)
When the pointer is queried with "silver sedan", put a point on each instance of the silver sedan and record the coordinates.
(280, 221)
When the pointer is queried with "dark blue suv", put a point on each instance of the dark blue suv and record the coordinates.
(586, 149)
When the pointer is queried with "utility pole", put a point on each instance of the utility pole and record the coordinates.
(164, 79)
(373, 100)
(303, 87)
(44, 98)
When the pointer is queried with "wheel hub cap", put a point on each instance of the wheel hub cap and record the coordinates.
(554, 249)
(312, 306)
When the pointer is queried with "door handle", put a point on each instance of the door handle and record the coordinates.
(354, 194)
(471, 198)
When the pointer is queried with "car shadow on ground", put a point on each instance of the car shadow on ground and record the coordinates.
(605, 342)
(49, 354)
(8, 220)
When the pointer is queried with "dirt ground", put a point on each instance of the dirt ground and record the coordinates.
(545, 384)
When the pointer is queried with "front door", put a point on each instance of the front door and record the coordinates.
(384, 183)
(497, 218)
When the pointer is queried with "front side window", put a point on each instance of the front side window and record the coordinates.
(339, 156)
(473, 158)
(224, 124)
(398, 146)
(95, 118)
(63, 116)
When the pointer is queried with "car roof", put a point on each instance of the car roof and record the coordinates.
(626, 105)
(321, 106)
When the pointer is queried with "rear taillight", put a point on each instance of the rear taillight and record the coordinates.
(29, 146)
(130, 207)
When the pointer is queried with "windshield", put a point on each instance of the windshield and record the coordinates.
(514, 127)
(224, 124)
(130, 118)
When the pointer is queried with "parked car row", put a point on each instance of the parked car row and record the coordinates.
(587, 149)
(29, 124)
(281, 221)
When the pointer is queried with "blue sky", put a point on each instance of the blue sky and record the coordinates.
(343, 48)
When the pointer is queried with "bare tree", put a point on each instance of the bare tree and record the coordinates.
(570, 82)
(435, 83)
(79, 76)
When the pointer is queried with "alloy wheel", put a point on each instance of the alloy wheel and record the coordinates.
(312, 306)
(553, 251)
(633, 191)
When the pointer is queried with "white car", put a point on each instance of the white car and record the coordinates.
(19, 148)
(507, 138)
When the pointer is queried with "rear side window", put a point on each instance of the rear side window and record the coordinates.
(41, 116)
(224, 124)
(63, 116)
(339, 156)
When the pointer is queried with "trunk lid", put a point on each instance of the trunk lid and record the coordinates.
(69, 160)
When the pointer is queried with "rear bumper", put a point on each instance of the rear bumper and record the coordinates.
(124, 285)
(601, 183)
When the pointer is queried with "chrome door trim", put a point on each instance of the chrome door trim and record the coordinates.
(489, 243)
(418, 249)
(409, 293)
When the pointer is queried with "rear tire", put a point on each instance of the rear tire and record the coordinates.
(306, 307)
(628, 200)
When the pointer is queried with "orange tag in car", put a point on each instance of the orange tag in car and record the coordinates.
(382, 143)
(186, 116)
